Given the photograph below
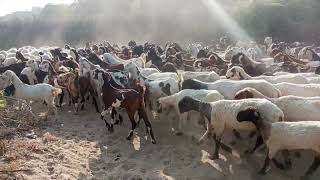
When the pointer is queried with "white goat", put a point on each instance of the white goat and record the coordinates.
(44, 92)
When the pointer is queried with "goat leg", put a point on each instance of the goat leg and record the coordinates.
(95, 102)
(182, 118)
(82, 102)
(312, 168)
(61, 98)
(217, 147)
(259, 142)
(70, 98)
(236, 134)
(287, 159)
(133, 125)
(102, 117)
(143, 114)
(266, 164)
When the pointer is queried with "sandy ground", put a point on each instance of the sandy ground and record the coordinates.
(80, 147)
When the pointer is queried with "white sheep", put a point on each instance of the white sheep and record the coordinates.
(201, 76)
(10, 60)
(228, 88)
(302, 90)
(43, 92)
(173, 100)
(238, 73)
(294, 108)
(148, 71)
(314, 80)
(279, 136)
(223, 114)
(307, 75)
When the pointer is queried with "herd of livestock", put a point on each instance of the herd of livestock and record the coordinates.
(269, 89)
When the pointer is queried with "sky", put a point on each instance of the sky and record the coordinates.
(10, 6)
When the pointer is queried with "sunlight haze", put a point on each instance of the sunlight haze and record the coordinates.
(10, 6)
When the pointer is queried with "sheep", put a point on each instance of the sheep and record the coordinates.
(303, 135)
(314, 80)
(172, 101)
(201, 76)
(294, 108)
(222, 115)
(9, 61)
(307, 75)
(238, 73)
(228, 88)
(2, 58)
(44, 92)
(148, 71)
(303, 90)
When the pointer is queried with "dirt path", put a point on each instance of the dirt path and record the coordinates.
(79, 147)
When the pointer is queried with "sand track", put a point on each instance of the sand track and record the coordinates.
(80, 147)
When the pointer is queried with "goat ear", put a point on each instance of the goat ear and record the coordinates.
(249, 114)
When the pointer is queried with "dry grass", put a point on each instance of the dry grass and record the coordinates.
(15, 117)
(3, 147)
(47, 137)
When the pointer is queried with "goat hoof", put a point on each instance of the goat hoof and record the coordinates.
(110, 129)
(261, 172)
(214, 157)
(153, 141)
(179, 133)
(128, 138)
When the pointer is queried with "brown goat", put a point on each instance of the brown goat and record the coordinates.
(129, 99)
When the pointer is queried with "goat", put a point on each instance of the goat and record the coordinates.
(129, 99)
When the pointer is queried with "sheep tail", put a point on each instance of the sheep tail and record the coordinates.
(56, 91)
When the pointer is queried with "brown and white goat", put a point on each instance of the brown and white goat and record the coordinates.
(129, 99)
